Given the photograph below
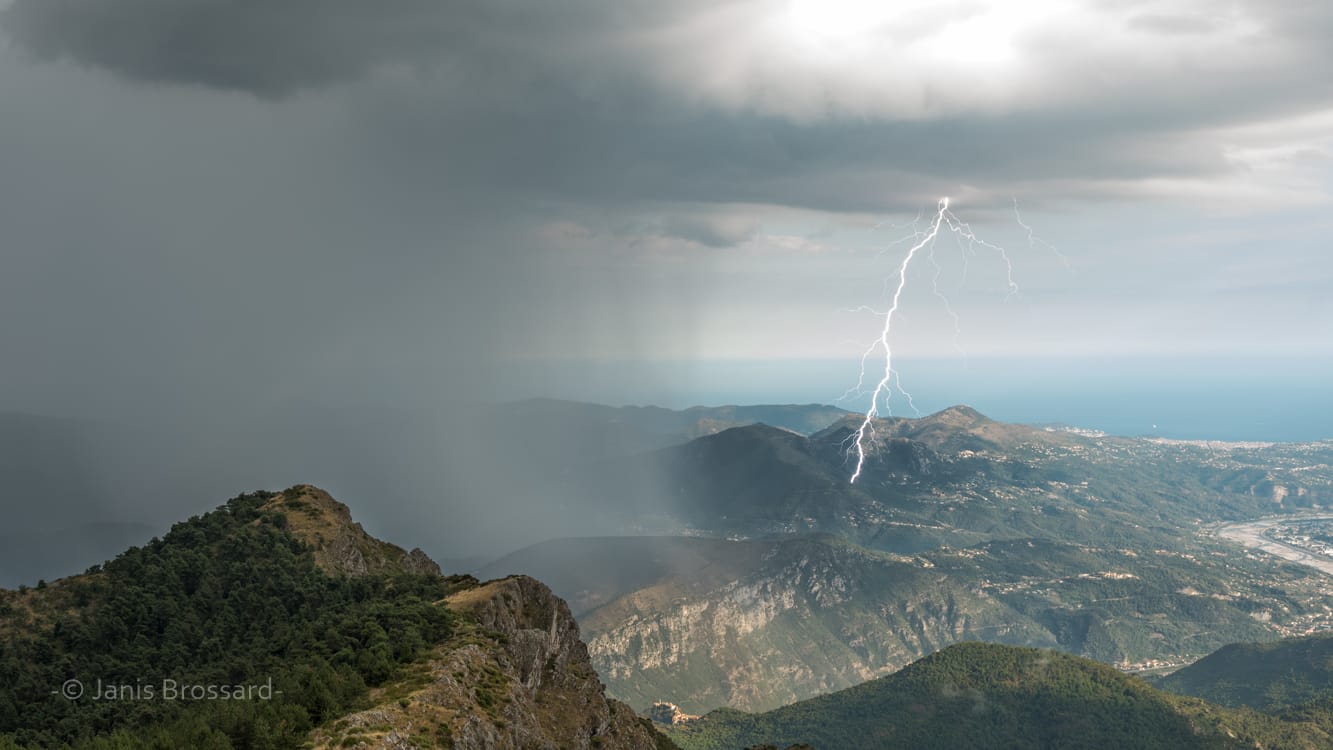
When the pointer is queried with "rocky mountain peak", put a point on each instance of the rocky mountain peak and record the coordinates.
(663, 712)
(960, 415)
(340, 545)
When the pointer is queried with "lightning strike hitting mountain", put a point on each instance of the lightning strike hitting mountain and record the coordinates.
(924, 241)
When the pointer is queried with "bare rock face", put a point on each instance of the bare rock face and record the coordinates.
(669, 713)
(340, 545)
(516, 675)
(418, 561)
(811, 618)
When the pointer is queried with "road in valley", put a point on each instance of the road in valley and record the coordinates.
(1251, 534)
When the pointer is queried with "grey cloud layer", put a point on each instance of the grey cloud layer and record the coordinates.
(697, 102)
(278, 48)
(266, 48)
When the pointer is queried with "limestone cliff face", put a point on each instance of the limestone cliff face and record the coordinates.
(515, 676)
(814, 618)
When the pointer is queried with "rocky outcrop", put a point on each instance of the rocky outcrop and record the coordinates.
(418, 561)
(669, 713)
(516, 675)
(340, 545)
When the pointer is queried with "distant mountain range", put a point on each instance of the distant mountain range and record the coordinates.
(960, 528)
(954, 478)
(623, 430)
(78, 491)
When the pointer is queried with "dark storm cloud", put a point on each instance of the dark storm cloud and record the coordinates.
(276, 48)
(657, 152)
(269, 48)
(705, 102)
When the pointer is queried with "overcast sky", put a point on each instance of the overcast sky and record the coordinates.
(252, 202)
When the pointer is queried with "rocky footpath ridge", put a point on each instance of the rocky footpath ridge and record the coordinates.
(516, 675)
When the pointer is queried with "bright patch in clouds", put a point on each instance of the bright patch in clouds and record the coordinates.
(930, 32)
(840, 19)
(809, 60)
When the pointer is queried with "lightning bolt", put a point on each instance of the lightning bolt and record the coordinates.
(1033, 239)
(948, 306)
(922, 240)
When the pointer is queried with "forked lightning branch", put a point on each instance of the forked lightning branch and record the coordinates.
(923, 243)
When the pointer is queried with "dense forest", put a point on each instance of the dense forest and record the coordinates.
(978, 695)
(1272, 676)
(225, 602)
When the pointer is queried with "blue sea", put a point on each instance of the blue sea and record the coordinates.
(1259, 398)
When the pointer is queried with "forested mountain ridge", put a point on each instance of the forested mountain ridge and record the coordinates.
(514, 675)
(1270, 676)
(275, 622)
(979, 695)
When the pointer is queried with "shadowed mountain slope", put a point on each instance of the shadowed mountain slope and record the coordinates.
(978, 695)
(1261, 675)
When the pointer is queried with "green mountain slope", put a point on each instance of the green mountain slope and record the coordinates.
(275, 616)
(976, 695)
(231, 598)
(1262, 675)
